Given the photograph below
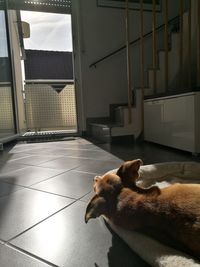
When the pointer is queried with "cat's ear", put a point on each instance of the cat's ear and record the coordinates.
(128, 172)
(96, 207)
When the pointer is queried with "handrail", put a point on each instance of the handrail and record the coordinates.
(94, 64)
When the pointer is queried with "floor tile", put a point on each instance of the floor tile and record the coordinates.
(69, 145)
(91, 154)
(98, 166)
(57, 152)
(150, 153)
(81, 147)
(6, 189)
(65, 240)
(64, 163)
(26, 148)
(29, 175)
(11, 257)
(25, 208)
(9, 157)
(71, 184)
(7, 167)
(87, 197)
(36, 160)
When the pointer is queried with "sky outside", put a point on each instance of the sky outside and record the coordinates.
(48, 31)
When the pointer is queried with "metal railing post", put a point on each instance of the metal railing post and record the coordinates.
(128, 62)
(142, 59)
(198, 44)
(189, 45)
(154, 48)
(166, 44)
(181, 46)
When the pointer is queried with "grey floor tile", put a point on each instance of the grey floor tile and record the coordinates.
(36, 159)
(81, 147)
(8, 167)
(71, 184)
(65, 240)
(25, 208)
(87, 197)
(98, 166)
(57, 152)
(150, 153)
(64, 163)
(6, 189)
(70, 145)
(13, 258)
(29, 175)
(23, 148)
(9, 157)
(91, 154)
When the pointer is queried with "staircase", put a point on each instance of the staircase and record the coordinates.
(118, 128)
(173, 67)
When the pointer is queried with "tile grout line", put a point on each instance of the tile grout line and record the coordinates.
(30, 165)
(64, 171)
(93, 173)
(29, 186)
(25, 166)
(31, 255)
(48, 217)
(34, 189)
(13, 160)
(51, 193)
(98, 159)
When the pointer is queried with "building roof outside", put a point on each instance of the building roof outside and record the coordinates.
(40, 64)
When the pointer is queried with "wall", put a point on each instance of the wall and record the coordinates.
(98, 31)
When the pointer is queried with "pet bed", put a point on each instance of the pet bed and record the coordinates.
(152, 251)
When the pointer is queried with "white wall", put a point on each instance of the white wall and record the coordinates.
(97, 32)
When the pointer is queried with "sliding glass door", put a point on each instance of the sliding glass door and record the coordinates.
(7, 125)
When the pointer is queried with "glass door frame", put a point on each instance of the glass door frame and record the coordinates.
(12, 72)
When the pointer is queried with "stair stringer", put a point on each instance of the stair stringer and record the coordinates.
(135, 127)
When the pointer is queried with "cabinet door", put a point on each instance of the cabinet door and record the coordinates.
(178, 119)
(153, 117)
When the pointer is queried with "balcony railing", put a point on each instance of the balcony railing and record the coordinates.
(50, 105)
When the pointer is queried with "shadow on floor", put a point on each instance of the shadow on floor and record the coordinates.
(118, 248)
(149, 152)
(6, 189)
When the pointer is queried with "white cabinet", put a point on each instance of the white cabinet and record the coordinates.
(174, 121)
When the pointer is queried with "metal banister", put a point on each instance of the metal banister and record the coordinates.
(94, 64)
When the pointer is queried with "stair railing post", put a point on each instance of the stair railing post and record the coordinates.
(128, 63)
(181, 46)
(154, 48)
(189, 45)
(166, 44)
(142, 60)
(198, 45)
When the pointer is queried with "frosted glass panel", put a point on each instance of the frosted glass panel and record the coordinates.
(6, 106)
(3, 37)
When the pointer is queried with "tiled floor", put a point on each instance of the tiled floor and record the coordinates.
(44, 190)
